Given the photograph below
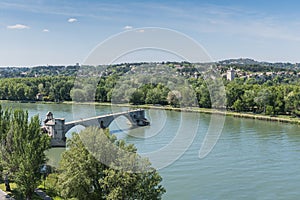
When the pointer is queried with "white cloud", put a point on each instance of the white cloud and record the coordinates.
(71, 20)
(18, 26)
(127, 27)
(46, 30)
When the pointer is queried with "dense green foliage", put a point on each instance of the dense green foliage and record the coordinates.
(271, 99)
(98, 166)
(25, 89)
(270, 89)
(22, 149)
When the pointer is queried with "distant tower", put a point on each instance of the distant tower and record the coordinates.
(230, 74)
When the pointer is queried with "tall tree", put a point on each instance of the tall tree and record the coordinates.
(263, 98)
(137, 97)
(23, 148)
(98, 166)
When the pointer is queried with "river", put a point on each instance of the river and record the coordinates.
(252, 159)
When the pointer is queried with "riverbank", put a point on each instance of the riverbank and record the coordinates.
(281, 118)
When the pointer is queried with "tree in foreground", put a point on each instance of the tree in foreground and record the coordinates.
(98, 166)
(23, 148)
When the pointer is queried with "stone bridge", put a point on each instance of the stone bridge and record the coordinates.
(57, 127)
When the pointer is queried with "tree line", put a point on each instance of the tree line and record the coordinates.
(272, 97)
(55, 88)
(269, 98)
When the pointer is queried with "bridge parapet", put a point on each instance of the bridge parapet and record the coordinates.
(57, 127)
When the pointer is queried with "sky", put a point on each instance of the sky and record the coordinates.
(60, 32)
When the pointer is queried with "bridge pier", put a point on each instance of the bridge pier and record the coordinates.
(57, 128)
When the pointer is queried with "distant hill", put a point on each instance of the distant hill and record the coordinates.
(248, 61)
(239, 61)
(246, 64)
(10, 72)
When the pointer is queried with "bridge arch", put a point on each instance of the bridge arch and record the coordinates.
(121, 122)
(77, 128)
(57, 128)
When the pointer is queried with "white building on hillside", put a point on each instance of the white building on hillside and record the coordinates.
(230, 74)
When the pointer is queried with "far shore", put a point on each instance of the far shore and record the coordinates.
(280, 118)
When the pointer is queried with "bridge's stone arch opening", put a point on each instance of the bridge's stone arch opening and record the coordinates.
(120, 123)
(75, 129)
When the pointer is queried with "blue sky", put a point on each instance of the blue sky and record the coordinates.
(41, 32)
